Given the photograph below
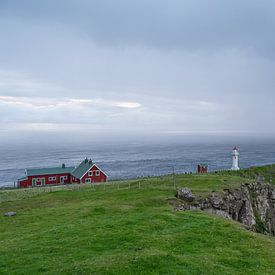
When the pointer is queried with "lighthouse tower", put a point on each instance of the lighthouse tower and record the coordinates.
(235, 159)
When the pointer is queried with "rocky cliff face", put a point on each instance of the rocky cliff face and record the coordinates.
(251, 204)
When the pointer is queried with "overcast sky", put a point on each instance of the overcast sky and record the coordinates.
(137, 66)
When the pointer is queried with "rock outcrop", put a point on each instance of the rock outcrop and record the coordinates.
(251, 204)
(185, 194)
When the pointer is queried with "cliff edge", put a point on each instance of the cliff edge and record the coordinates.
(252, 204)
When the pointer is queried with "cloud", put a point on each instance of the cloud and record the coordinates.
(21, 84)
(175, 24)
(129, 105)
(149, 66)
(49, 103)
(109, 113)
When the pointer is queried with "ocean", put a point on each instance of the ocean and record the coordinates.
(131, 160)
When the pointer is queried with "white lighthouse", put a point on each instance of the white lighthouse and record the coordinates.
(235, 159)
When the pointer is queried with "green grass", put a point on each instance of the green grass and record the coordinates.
(117, 230)
(268, 172)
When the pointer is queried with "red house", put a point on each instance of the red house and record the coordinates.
(202, 168)
(85, 172)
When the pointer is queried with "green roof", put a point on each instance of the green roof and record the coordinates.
(82, 168)
(49, 171)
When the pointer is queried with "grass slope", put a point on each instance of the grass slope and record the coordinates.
(106, 230)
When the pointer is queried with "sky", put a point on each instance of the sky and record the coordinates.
(127, 67)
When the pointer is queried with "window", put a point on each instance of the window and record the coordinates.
(88, 180)
(52, 178)
(63, 178)
(90, 173)
(97, 173)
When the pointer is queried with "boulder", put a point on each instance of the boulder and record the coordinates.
(9, 214)
(185, 194)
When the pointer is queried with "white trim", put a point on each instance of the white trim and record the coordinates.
(23, 179)
(97, 169)
(62, 179)
(88, 180)
(40, 181)
(43, 181)
(102, 171)
(87, 171)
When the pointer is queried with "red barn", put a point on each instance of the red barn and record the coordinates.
(85, 172)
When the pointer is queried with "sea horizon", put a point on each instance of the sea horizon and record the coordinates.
(135, 158)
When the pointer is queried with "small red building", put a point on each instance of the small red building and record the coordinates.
(85, 172)
(202, 168)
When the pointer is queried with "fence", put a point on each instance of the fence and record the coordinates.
(165, 182)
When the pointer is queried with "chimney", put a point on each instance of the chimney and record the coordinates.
(63, 165)
(86, 160)
(90, 161)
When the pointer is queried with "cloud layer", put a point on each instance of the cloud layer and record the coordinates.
(147, 66)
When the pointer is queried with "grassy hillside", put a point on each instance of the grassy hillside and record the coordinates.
(268, 172)
(127, 227)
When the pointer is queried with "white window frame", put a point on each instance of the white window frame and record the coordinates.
(88, 180)
(90, 173)
(97, 173)
(63, 178)
(52, 178)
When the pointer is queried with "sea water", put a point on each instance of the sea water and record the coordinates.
(131, 160)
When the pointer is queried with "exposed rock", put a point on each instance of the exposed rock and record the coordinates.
(9, 214)
(251, 204)
(185, 194)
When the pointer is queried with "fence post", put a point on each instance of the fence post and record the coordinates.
(174, 180)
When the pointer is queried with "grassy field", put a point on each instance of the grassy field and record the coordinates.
(128, 227)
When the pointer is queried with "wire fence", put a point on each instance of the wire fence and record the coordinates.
(171, 181)
(165, 182)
